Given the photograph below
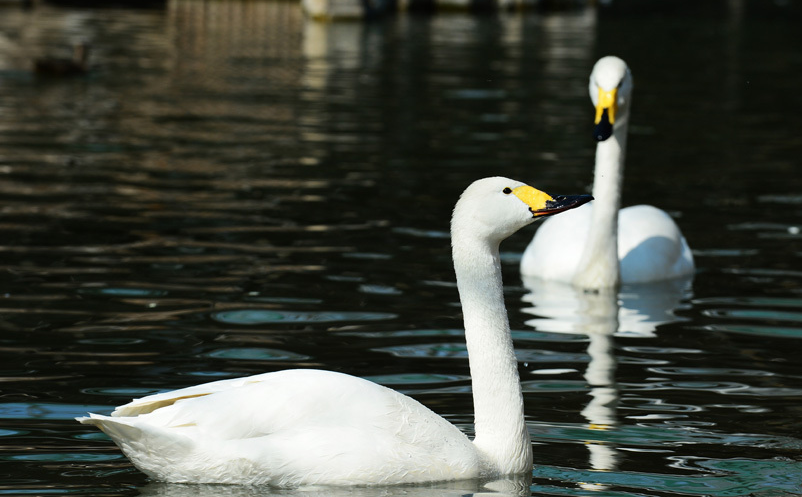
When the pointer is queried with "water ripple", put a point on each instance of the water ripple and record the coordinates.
(710, 371)
(671, 433)
(655, 405)
(128, 393)
(460, 351)
(256, 354)
(746, 300)
(63, 457)
(264, 316)
(754, 314)
(721, 478)
(46, 410)
(756, 329)
(405, 333)
(416, 379)
(123, 292)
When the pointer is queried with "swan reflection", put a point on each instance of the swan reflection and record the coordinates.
(510, 487)
(633, 311)
(637, 309)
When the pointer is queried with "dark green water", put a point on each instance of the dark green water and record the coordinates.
(234, 190)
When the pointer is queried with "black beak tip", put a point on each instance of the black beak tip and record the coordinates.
(574, 201)
(604, 129)
(562, 203)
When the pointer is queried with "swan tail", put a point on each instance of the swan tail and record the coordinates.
(152, 449)
(117, 429)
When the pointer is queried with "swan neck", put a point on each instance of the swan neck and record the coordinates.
(501, 435)
(609, 169)
(599, 265)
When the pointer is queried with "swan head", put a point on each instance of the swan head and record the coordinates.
(610, 89)
(495, 208)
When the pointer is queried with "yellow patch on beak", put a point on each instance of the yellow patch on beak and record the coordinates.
(607, 100)
(534, 198)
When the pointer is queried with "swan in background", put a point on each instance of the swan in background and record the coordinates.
(310, 427)
(600, 246)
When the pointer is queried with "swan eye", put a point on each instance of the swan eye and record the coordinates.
(507, 190)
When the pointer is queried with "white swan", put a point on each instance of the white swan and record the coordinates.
(311, 427)
(600, 246)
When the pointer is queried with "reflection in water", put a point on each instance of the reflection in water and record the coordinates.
(635, 311)
(509, 487)
(600, 310)
(639, 309)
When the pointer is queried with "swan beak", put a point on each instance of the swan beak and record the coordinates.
(542, 204)
(605, 114)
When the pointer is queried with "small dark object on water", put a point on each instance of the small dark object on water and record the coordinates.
(78, 65)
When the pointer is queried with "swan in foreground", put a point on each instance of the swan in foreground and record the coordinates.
(310, 427)
(600, 246)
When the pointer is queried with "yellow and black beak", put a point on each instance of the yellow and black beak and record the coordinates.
(541, 204)
(606, 109)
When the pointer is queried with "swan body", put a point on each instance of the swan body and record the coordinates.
(650, 246)
(289, 428)
(310, 427)
(600, 245)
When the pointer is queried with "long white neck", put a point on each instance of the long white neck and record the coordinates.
(599, 267)
(501, 435)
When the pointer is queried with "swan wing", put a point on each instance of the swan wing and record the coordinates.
(651, 246)
(159, 400)
(289, 428)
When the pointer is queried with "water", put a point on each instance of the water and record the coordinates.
(235, 190)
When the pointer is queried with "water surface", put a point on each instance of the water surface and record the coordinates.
(234, 189)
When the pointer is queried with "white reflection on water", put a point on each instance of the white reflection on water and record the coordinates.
(635, 311)
(512, 487)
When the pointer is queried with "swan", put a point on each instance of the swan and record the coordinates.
(310, 427)
(599, 246)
